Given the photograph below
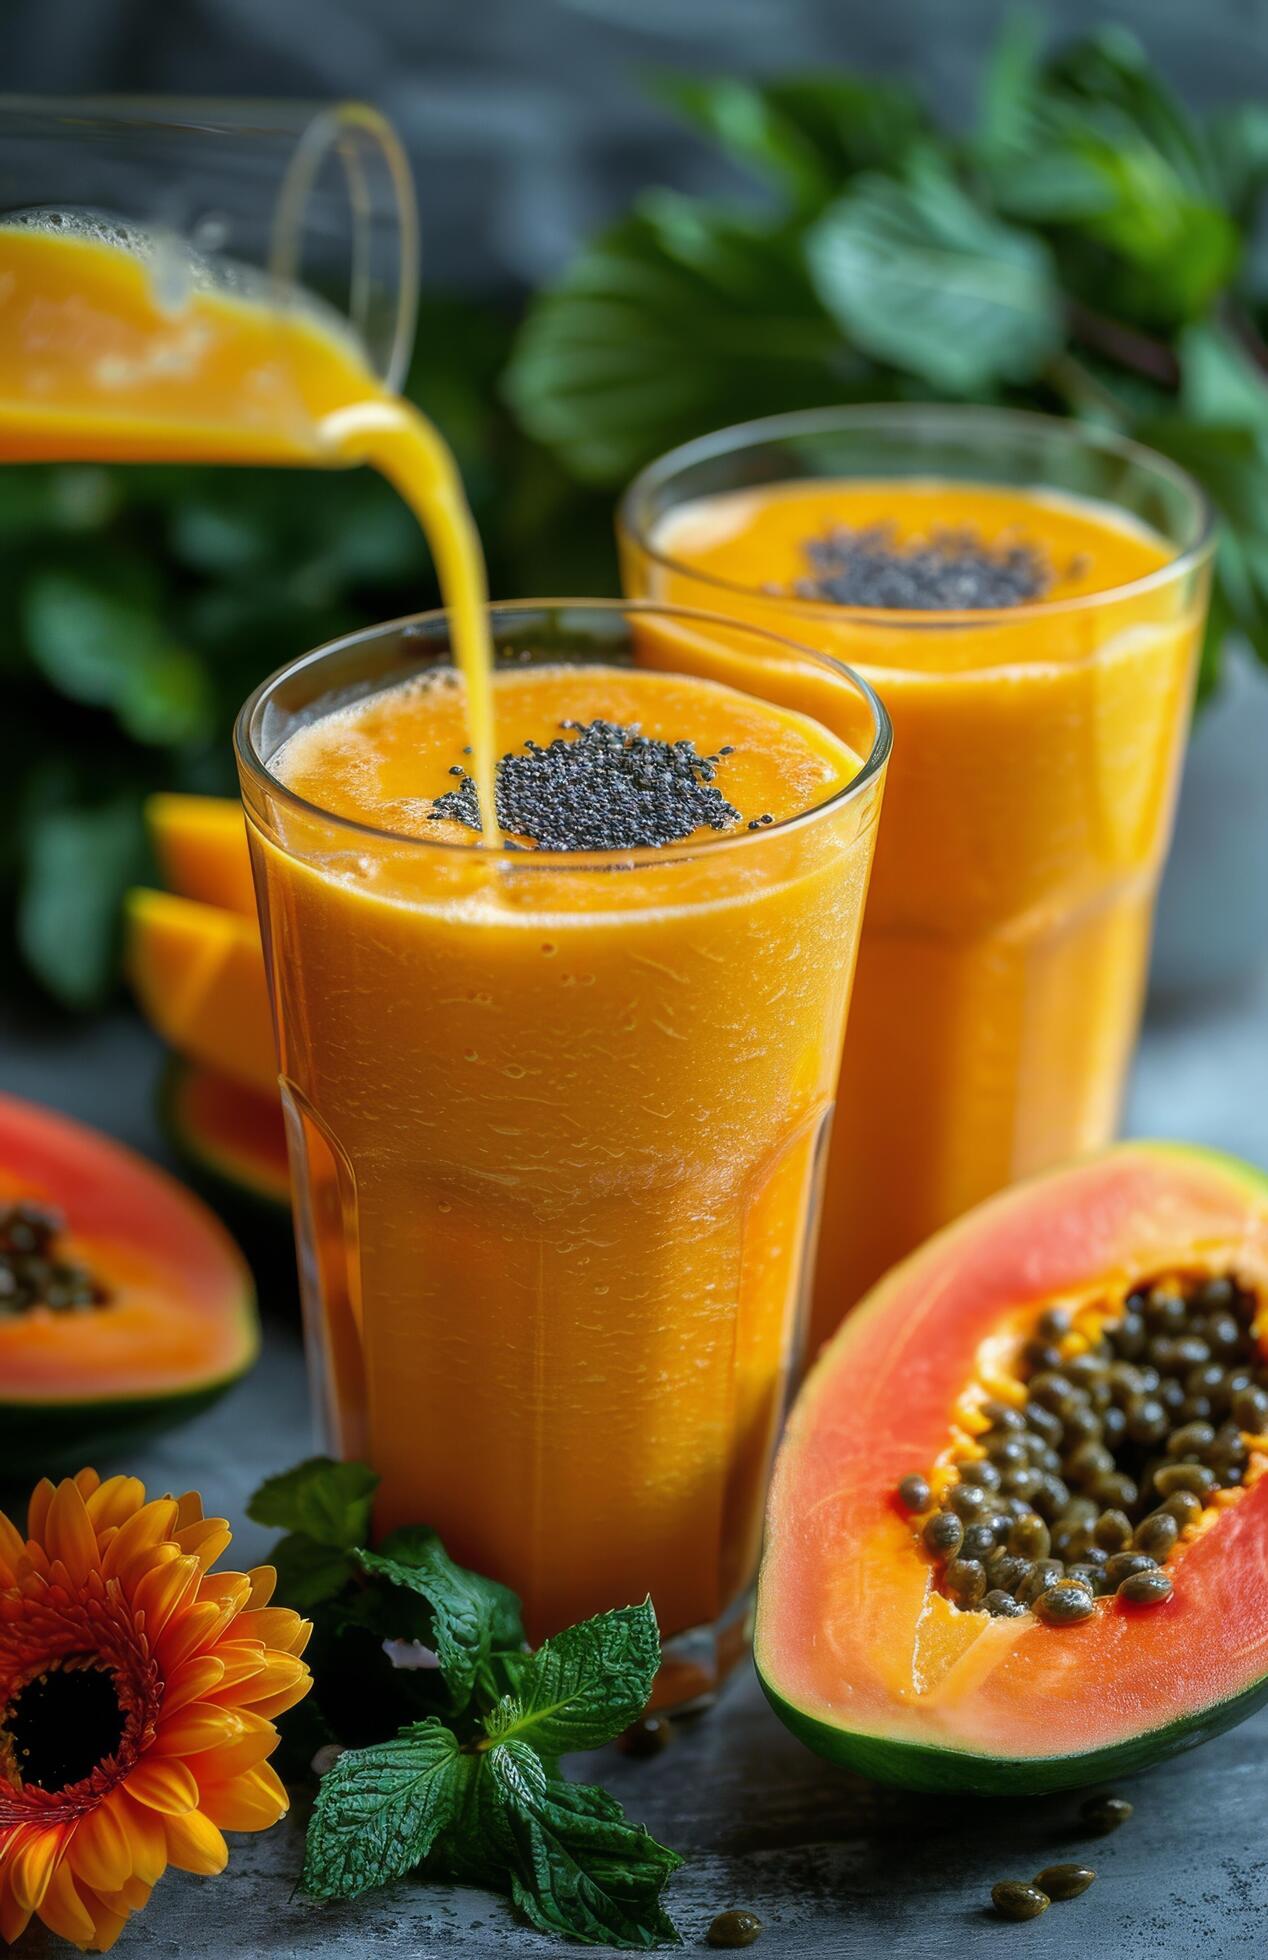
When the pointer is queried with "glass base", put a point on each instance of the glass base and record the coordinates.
(698, 1661)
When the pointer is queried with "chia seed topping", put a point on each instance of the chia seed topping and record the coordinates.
(600, 786)
(945, 571)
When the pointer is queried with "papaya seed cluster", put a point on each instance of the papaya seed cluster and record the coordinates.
(1084, 1486)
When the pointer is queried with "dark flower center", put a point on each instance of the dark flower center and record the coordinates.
(62, 1724)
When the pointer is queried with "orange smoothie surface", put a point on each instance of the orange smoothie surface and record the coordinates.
(755, 540)
(385, 761)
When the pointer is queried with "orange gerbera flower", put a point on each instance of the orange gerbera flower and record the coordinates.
(137, 1696)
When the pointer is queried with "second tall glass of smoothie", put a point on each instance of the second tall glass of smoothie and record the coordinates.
(557, 1117)
(1037, 747)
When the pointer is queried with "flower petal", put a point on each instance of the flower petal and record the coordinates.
(14, 1918)
(235, 1754)
(195, 1845)
(86, 1482)
(263, 1584)
(115, 1501)
(163, 1784)
(230, 1590)
(135, 1895)
(30, 1867)
(246, 1803)
(241, 1659)
(63, 1910)
(205, 1539)
(107, 1925)
(200, 1726)
(12, 1550)
(68, 1533)
(189, 1508)
(99, 1850)
(186, 1634)
(37, 1509)
(149, 1556)
(276, 1626)
(159, 1592)
(148, 1838)
(191, 1681)
(274, 1705)
(147, 1527)
(279, 1671)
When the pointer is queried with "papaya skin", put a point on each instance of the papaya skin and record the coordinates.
(1014, 1714)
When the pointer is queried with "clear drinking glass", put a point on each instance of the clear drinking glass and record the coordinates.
(1028, 812)
(306, 210)
(556, 1122)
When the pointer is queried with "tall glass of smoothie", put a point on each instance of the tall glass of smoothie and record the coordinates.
(557, 1109)
(1028, 597)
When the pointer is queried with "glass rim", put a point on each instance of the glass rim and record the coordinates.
(253, 765)
(950, 417)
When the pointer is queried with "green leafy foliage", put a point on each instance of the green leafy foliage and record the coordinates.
(455, 1728)
(917, 274)
(77, 857)
(1082, 249)
(661, 327)
(808, 132)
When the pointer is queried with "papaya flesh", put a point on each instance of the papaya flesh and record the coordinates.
(177, 1325)
(201, 848)
(234, 1135)
(860, 1653)
(198, 973)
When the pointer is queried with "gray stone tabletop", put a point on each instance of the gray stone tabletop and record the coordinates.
(832, 1865)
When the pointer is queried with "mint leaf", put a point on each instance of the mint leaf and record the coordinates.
(325, 1500)
(582, 1686)
(380, 1810)
(919, 275)
(308, 1574)
(471, 1616)
(579, 1868)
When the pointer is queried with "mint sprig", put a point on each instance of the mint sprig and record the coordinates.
(380, 1810)
(470, 1617)
(582, 1686)
(468, 1791)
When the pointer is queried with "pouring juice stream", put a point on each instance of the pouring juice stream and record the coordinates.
(111, 350)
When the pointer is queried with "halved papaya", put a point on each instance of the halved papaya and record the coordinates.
(201, 847)
(234, 1135)
(165, 1319)
(198, 973)
(862, 1646)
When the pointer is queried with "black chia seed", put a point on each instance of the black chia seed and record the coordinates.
(600, 786)
(946, 571)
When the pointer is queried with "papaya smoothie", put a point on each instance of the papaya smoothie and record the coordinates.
(572, 1093)
(1028, 598)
